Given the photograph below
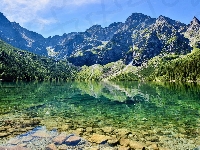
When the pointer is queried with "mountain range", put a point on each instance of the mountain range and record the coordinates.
(135, 41)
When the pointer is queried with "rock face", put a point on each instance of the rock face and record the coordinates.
(136, 40)
(193, 32)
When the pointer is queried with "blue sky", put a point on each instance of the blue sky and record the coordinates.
(55, 17)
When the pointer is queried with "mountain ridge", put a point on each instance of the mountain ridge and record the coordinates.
(137, 40)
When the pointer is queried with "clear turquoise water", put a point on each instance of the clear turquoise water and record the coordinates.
(168, 107)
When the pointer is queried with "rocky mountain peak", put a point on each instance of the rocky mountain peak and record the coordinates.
(136, 18)
(195, 21)
(162, 19)
(3, 19)
(94, 28)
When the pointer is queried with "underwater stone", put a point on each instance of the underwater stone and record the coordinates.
(153, 139)
(27, 138)
(63, 147)
(107, 129)
(123, 148)
(14, 141)
(51, 146)
(4, 134)
(113, 141)
(42, 134)
(122, 132)
(12, 148)
(73, 140)
(89, 129)
(2, 129)
(198, 148)
(154, 146)
(60, 139)
(136, 145)
(124, 142)
(99, 139)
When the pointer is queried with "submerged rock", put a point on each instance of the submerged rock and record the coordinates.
(107, 129)
(4, 134)
(12, 148)
(197, 148)
(99, 139)
(73, 140)
(137, 145)
(42, 134)
(60, 139)
(51, 146)
(124, 142)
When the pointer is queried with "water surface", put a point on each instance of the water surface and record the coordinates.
(169, 111)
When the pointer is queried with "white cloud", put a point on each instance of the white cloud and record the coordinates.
(82, 2)
(25, 11)
(22, 10)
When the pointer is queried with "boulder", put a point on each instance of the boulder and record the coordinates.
(60, 139)
(136, 145)
(51, 146)
(107, 129)
(123, 148)
(4, 134)
(99, 139)
(124, 142)
(73, 140)
(122, 132)
(41, 134)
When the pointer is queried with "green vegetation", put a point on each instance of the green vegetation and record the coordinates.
(16, 64)
(174, 67)
(98, 72)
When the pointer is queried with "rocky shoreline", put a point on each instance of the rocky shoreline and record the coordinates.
(24, 133)
(40, 138)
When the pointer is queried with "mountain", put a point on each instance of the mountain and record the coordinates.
(135, 41)
(12, 33)
(193, 32)
(16, 64)
(165, 36)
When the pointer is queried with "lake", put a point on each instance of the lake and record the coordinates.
(167, 114)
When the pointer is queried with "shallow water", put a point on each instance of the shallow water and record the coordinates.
(169, 111)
